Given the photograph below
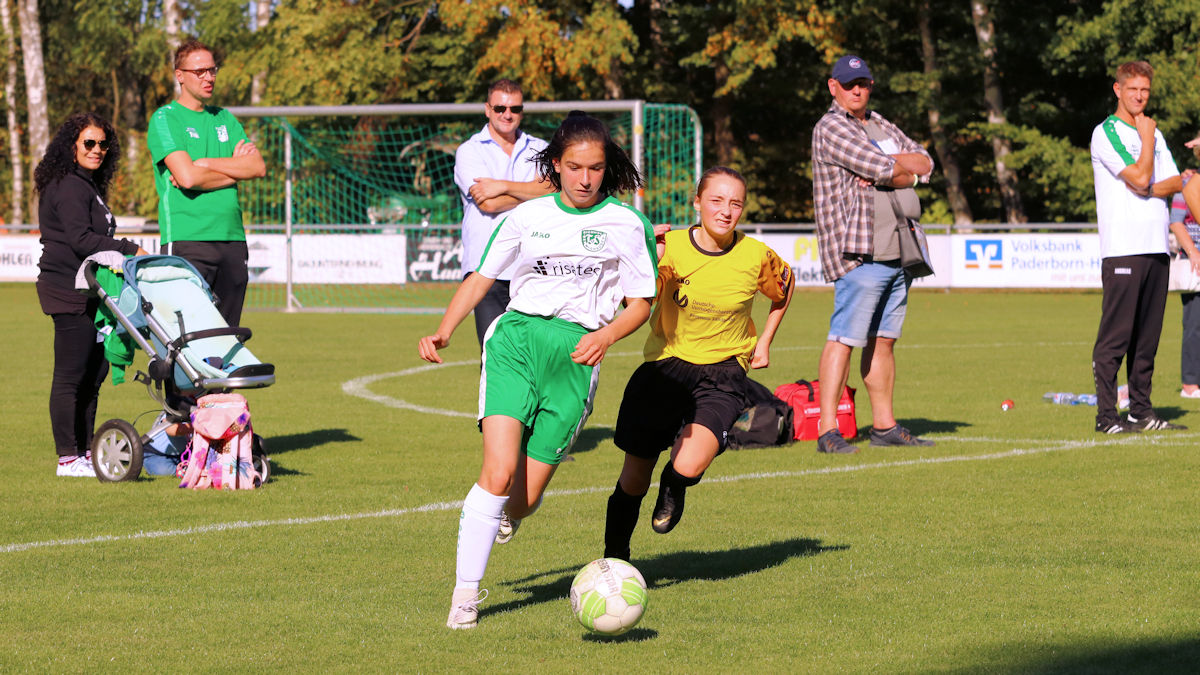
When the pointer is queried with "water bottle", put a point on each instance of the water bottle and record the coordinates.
(1061, 398)
(1085, 399)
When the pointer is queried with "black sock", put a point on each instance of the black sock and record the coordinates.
(675, 479)
(619, 523)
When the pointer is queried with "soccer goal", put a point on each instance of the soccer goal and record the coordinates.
(359, 210)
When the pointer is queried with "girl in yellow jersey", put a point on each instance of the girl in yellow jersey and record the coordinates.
(701, 343)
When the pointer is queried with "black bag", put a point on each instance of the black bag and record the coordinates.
(766, 422)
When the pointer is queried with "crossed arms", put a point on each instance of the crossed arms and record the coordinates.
(493, 195)
(214, 173)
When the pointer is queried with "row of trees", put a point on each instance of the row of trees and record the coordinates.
(1005, 94)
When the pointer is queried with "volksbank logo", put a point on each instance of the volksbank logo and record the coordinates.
(984, 254)
(549, 268)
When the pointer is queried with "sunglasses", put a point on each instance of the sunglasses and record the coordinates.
(201, 72)
(860, 82)
(89, 143)
(516, 109)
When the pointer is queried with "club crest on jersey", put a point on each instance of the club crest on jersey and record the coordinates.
(593, 240)
(222, 134)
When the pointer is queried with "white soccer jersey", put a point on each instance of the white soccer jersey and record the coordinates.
(1129, 224)
(575, 264)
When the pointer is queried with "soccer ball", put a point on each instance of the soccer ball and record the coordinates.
(608, 596)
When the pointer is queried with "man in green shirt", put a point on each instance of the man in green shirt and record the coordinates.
(200, 153)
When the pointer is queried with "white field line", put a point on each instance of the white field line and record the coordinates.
(1155, 439)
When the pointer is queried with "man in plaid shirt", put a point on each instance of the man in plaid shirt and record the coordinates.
(858, 158)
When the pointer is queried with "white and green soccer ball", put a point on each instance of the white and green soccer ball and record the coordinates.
(608, 596)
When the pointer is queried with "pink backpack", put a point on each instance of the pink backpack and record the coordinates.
(219, 454)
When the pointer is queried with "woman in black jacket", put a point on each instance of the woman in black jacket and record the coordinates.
(72, 180)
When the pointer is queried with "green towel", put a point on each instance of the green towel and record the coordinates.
(118, 345)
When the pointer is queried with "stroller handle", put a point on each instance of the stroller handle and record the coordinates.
(89, 275)
(240, 332)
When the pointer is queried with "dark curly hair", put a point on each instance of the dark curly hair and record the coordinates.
(620, 174)
(59, 159)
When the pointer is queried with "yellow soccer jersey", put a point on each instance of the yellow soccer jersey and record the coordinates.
(702, 313)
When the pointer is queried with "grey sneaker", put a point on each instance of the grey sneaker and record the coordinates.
(508, 528)
(832, 442)
(1153, 422)
(897, 436)
(464, 608)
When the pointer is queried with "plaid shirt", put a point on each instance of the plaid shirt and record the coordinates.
(845, 210)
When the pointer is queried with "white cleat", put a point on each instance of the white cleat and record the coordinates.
(464, 608)
(508, 528)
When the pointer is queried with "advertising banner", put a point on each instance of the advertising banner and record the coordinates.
(1066, 260)
(801, 252)
(316, 258)
(1026, 260)
(434, 254)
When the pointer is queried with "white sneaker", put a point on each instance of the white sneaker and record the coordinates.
(464, 607)
(1195, 393)
(81, 467)
(508, 528)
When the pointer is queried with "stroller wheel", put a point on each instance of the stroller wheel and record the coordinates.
(258, 452)
(117, 452)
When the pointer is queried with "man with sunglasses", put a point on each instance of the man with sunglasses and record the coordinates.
(858, 157)
(494, 172)
(200, 154)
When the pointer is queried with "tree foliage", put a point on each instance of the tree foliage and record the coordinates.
(755, 71)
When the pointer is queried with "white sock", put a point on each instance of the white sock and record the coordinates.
(477, 528)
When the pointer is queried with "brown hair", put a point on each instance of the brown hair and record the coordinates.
(189, 47)
(620, 173)
(1135, 69)
(505, 85)
(717, 171)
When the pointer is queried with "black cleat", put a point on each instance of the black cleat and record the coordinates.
(669, 507)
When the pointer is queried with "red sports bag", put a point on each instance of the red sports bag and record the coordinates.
(805, 399)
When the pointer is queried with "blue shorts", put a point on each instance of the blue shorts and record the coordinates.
(869, 301)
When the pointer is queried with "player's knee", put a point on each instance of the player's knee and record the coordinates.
(497, 481)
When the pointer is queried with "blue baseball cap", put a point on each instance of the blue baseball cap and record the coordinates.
(850, 68)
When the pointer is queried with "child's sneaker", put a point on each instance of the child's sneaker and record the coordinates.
(464, 607)
(79, 467)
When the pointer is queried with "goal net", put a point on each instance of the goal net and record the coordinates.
(359, 210)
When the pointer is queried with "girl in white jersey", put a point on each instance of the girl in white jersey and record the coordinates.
(579, 254)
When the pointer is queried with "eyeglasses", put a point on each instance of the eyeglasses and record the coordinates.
(89, 143)
(516, 109)
(201, 72)
(860, 82)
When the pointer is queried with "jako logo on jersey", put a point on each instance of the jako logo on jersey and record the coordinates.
(593, 240)
(547, 268)
(681, 300)
(539, 235)
(192, 132)
(222, 134)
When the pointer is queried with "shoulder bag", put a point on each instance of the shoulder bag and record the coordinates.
(914, 250)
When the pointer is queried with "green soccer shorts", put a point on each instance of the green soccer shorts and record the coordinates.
(528, 375)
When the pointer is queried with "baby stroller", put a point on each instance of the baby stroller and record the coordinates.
(166, 308)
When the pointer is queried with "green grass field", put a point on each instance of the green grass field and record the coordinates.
(1022, 542)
